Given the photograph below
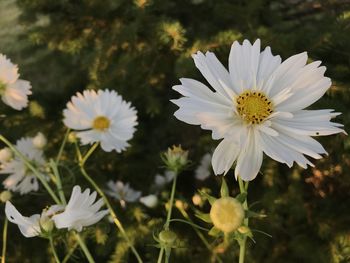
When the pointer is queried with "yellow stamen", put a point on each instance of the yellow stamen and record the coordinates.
(101, 123)
(253, 106)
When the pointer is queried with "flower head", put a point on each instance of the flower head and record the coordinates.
(122, 192)
(258, 106)
(34, 225)
(175, 158)
(81, 210)
(101, 116)
(13, 91)
(21, 178)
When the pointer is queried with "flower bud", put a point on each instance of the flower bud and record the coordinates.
(197, 200)
(167, 237)
(5, 196)
(150, 201)
(175, 158)
(227, 214)
(5, 155)
(46, 223)
(72, 137)
(39, 141)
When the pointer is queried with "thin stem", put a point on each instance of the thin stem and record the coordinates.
(31, 167)
(84, 248)
(54, 250)
(172, 195)
(160, 256)
(58, 181)
(242, 244)
(4, 241)
(70, 252)
(62, 146)
(105, 199)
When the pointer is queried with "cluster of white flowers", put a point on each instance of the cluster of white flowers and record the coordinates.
(21, 178)
(81, 211)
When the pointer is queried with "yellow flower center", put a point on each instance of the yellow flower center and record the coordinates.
(253, 106)
(101, 123)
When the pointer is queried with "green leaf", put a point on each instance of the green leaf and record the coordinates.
(214, 232)
(224, 189)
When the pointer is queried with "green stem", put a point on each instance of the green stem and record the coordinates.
(32, 168)
(160, 256)
(58, 181)
(54, 250)
(70, 252)
(172, 195)
(84, 248)
(242, 244)
(4, 241)
(105, 199)
(62, 146)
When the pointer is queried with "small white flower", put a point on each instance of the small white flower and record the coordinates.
(21, 178)
(101, 116)
(81, 211)
(30, 226)
(257, 107)
(122, 192)
(39, 141)
(150, 201)
(5, 155)
(161, 180)
(13, 91)
(204, 169)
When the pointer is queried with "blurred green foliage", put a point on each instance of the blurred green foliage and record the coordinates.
(140, 48)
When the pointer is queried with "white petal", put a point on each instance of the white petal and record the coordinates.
(267, 65)
(16, 94)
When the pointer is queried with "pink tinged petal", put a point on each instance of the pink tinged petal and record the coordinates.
(224, 155)
(16, 94)
(214, 72)
(250, 158)
(285, 74)
(243, 65)
(8, 71)
(29, 226)
(267, 65)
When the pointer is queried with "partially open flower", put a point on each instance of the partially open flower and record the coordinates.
(175, 158)
(227, 214)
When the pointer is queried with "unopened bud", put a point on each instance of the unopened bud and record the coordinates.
(46, 223)
(167, 237)
(175, 158)
(227, 214)
(39, 141)
(197, 200)
(72, 137)
(5, 155)
(5, 196)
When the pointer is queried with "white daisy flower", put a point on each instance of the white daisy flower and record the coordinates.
(122, 192)
(21, 178)
(32, 226)
(258, 106)
(161, 180)
(101, 116)
(203, 170)
(150, 201)
(13, 91)
(81, 210)
(39, 141)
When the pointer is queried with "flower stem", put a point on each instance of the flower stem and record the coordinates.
(172, 195)
(160, 256)
(242, 244)
(62, 147)
(70, 252)
(117, 222)
(54, 250)
(32, 168)
(58, 181)
(4, 241)
(84, 248)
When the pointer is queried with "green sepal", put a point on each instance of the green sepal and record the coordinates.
(241, 197)
(224, 189)
(249, 214)
(214, 232)
(211, 199)
(205, 217)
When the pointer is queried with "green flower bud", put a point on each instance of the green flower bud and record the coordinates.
(227, 214)
(167, 237)
(175, 158)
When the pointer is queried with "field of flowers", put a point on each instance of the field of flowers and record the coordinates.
(174, 131)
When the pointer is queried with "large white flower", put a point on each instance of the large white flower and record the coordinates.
(81, 210)
(122, 192)
(31, 226)
(21, 178)
(101, 116)
(13, 91)
(258, 106)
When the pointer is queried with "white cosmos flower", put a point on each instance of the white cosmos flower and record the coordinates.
(122, 192)
(13, 91)
(21, 178)
(101, 116)
(258, 106)
(31, 226)
(81, 210)
(203, 170)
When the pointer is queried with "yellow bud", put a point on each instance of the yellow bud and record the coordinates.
(227, 214)
(197, 200)
(5, 196)
(72, 137)
(167, 237)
